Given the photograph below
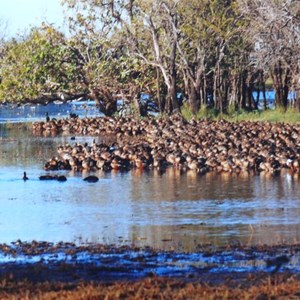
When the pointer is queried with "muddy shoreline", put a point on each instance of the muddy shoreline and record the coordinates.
(55, 271)
(42, 261)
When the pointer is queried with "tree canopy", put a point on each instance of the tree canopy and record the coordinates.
(36, 67)
(207, 53)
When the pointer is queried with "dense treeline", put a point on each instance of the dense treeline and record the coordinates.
(210, 53)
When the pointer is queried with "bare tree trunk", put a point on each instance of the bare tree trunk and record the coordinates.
(252, 104)
(243, 90)
(217, 79)
(173, 89)
(297, 102)
(224, 92)
(263, 88)
(203, 93)
(194, 99)
(281, 81)
(105, 102)
(140, 109)
(216, 87)
(161, 100)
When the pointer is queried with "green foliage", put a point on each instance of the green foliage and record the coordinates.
(37, 65)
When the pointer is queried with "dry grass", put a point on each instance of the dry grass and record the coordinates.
(278, 287)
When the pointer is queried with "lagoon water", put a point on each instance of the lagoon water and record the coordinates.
(172, 210)
(30, 113)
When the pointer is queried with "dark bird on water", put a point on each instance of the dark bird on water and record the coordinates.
(25, 176)
(47, 117)
(277, 262)
(47, 177)
(61, 178)
(91, 178)
(73, 116)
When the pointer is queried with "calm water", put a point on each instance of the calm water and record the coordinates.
(29, 113)
(170, 210)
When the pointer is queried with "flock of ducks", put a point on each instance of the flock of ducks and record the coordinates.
(199, 145)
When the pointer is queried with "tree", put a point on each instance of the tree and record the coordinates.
(152, 36)
(106, 69)
(193, 47)
(275, 38)
(211, 49)
(37, 68)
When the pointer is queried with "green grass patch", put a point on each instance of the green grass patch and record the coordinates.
(203, 113)
(270, 115)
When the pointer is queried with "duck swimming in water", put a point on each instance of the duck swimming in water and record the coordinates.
(61, 178)
(25, 176)
(47, 177)
(47, 117)
(91, 178)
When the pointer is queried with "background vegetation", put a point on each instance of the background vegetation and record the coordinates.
(209, 54)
